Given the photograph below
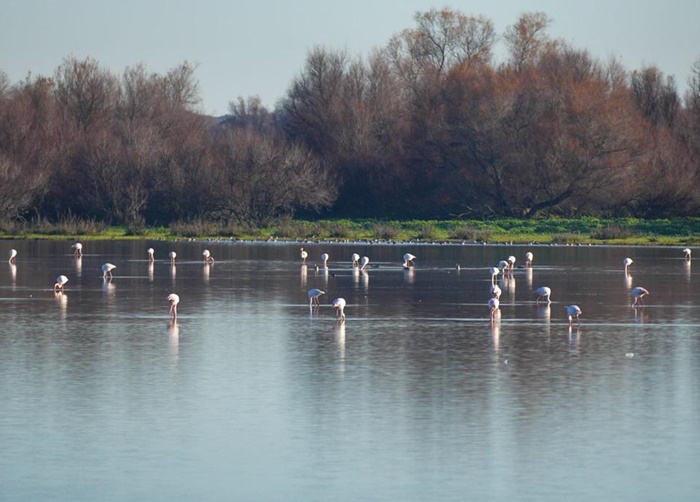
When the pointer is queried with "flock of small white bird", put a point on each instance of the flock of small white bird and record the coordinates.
(544, 293)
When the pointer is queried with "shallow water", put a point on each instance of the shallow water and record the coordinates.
(251, 395)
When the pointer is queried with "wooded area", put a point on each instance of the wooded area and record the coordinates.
(428, 126)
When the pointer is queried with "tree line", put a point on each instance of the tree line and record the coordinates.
(428, 126)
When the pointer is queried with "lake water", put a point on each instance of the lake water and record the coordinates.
(251, 395)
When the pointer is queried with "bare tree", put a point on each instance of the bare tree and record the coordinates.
(526, 39)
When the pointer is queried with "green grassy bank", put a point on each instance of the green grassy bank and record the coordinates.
(621, 231)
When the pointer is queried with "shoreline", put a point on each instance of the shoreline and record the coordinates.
(508, 231)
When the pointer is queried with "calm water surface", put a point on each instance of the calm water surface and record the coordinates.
(417, 396)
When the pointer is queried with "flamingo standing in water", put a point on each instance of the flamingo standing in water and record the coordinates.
(313, 296)
(493, 304)
(355, 259)
(363, 263)
(339, 306)
(172, 256)
(528, 259)
(543, 292)
(324, 260)
(496, 291)
(107, 270)
(638, 294)
(494, 272)
(573, 311)
(151, 257)
(303, 255)
(208, 258)
(687, 253)
(627, 262)
(13, 256)
(174, 300)
(61, 281)
(78, 249)
(408, 260)
(511, 263)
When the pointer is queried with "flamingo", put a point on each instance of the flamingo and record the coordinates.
(303, 255)
(339, 305)
(687, 252)
(638, 294)
(503, 265)
(573, 311)
(355, 259)
(61, 281)
(78, 247)
(496, 291)
(13, 256)
(627, 262)
(408, 260)
(174, 300)
(324, 259)
(313, 296)
(172, 256)
(207, 256)
(107, 270)
(494, 272)
(493, 305)
(511, 262)
(543, 292)
(363, 263)
(528, 259)
(151, 257)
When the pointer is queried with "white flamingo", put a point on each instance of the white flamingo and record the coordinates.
(528, 259)
(573, 311)
(174, 300)
(494, 271)
(61, 281)
(408, 260)
(13, 256)
(78, 249)
(364, 262)
(496, 291)
(151, 255)
(313, 296)
(172, 256)
(339, 306)
(543, 292)
(638, 294)
(627, 262)
(493, 304)
(208, 258)
(107, 270)
(355, 259)
(324, 260)
(687, 252)
(303, 255)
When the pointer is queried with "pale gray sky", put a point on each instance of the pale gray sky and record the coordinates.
(256, 47)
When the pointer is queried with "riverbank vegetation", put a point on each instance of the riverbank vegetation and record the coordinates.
(429, 127)
(560, 231)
